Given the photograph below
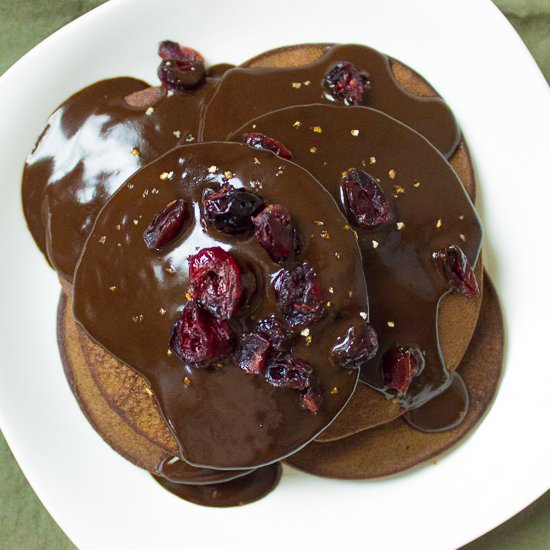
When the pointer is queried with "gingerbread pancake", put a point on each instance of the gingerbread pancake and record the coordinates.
(90, 145)
(395, 447)
(431, 212)
(411, 82)
(109, 425)
(127, 297)
(342, 75)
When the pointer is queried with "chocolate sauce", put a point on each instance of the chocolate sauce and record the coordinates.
(254, 92)
(178, 471)
(432, 211)
(244, 490)
(91, 144)
(445, 411)
(127, 297)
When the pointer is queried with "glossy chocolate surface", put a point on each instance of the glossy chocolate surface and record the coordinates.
(127, 298)
(445, 411)
(240, 491)
(178, 471)
(254, 92)
(432, 211)
(91, 144)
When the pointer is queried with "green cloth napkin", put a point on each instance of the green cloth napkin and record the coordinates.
(24, 522)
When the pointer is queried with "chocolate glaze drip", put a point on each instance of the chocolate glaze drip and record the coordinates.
(445, 411)
(237, 492)
(178, 471)
(127, 298)
(91, 144)
(405, 286)
(254, 92)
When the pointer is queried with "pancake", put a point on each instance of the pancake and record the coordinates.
(405, 289)
(90, 145)
(123, 439)
(121, 287)
(407, 78)
(396, 447)
(109, 425)
(244, 89)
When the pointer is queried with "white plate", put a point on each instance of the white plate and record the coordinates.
(473, 57)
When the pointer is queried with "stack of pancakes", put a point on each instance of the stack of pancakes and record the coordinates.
(367, 440)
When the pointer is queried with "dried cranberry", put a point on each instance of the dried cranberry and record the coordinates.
(364, 200)
(172, 50)
(358, 346)
(181, 75)
(311, 399)
(200, 339)
(279, 337)
(285, 371)
(275, 231)
(164, 227)
(346, 83)
(180, 68)
(253, 353)
(261, 141)
(400, 365)
(300, 297)
(457, 269)
(230, 210)
(215, 282)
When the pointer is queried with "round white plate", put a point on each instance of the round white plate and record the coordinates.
(472, 56)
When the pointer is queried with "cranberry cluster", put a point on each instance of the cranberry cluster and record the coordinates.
(233, 211)
(266, 351)
(202, 335)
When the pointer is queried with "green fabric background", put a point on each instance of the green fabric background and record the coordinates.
(24, 522)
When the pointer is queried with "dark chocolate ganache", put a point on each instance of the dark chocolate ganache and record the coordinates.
(240, 491)
(251, 92)
(178, 471)
(91, 144)
(127, 297)
(430, 209)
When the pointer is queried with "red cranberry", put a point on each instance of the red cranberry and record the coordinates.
(285, 371)
(230, 210)
(311, 399)
(279, 337)
(459, 273)
(364, 200)
(253, 353)
(346, 83)
(215, 282)
(181, 68)
(200, 339)
(164, 227)
(261, 141)
(181, 75)
(400, 365)
(172, 50)
(358, 346)
(275, 231)
(300, 297)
